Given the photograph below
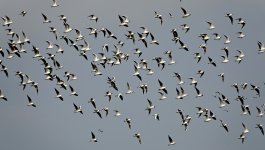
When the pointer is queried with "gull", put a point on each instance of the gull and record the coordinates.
(123, 21)
(110, 34)
(59, 49)
(198, 57)
(145, 31)
(77, 109)
(201, 111)
(235, 85)
(85, 47)
(129, 91)
(93, 139)
(211, 61)
(10, 32)
(205, 38)
(171, 141)
(4, 69)
(23, 13)
(93, 31)
(240, 35)
(260, 113)
(67, 27)
(63, 17)
(142, 38)
(160, 61)
(30, 103)
(175, 35)
(150, 71)
(105, 47)
(54, 4)
(159, 16)
(46, 20)
(26, 39)
(217, 36)
(2, 96)
(193, 81)
(185, 27)
(199, 94)
(7, 21)
(73, 92)
(128, 121)
(261, 47)
(181, 94)
(256, 89)
(245, 128)
(58, 95)
(138, 52)
(178, 76)
(200, 72)
(223, 101)
(154, 41)
(117, 113)
(120, 96)
(156, 116)
(170, 15)
(144, 88)
(95, 59)
(203, 46)
(79, 35)
(224, 125)
(109, 94)
(209, 116)
(240, 56)
(244, 85)
(35, 85)
(185, 13)
(211, 25)
(260, 127)
(241, 22)
(138, 136)
(97, 112)
(93, 17)
(245, 109)
(95, 70)
(222, 76)
(70, 76)
(54, 31)
(186, 121)
(92, 101)
(171, 61)
(130, 35)
(242, 137)
(50, 45)
(150, 107)
(227, 39)
(229, 15)
(136, 73)
(162, 87)
(183, 46)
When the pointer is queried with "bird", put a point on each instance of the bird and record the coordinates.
(156, 116)
(222, 76)
(124, 20)
(150, 106)
(117, 113)
(261, 47)
(185, 13)
(77, 109)
(162, 87)
(171, 141)
(159, 16)
(93, 17)
(54, 4)
(58, 95)
(23, 13)
(211, 25)
(30, 103)
(260, 127)
(129, 91)
(211, 61)
(185, 27)
(92, 101)
(97, 111)
(241, 22)
(73, 92)
(224, 125)
(93, 138)
(128, 121)
(229, 15)
(2, 96)
(138, 136)
(260, 112)
(46, 20)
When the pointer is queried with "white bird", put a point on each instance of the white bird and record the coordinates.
(185, 13)
(129, 91)
(46, 20)
(211, 25)
(260, 127)
(54, 4)
(229, 15)
(171, 141)
(77, 109)
(58, 95)
(30, 103)
(2, 96)
(138, 136)
(261, 47)
(150, 106)
(93, 17)
(227, 39)
(93, 139)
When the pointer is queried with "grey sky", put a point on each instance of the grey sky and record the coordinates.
(53, 123)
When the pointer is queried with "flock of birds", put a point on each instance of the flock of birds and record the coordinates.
(102, 60)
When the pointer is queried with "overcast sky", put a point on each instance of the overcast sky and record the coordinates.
(53, 123)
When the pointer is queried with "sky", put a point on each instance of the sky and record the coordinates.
(53, 123)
